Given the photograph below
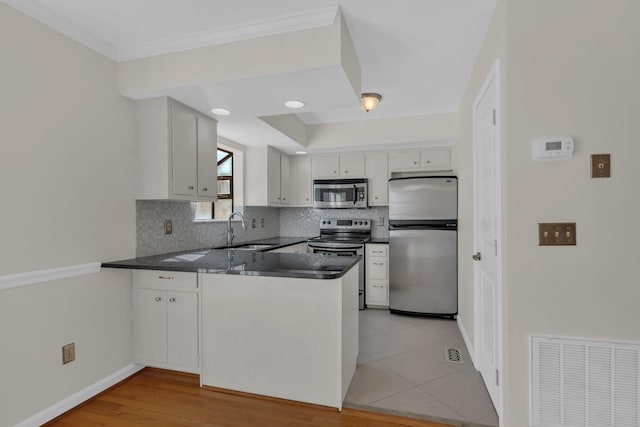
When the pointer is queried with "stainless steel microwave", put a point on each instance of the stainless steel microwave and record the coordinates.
(340, 193)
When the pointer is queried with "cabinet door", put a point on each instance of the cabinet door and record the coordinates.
(182, 331)
(436, 159)
(404, 160)
(352, 165)
(150, 325)
(273, 178)
(184, 143)
(378, 175)
(285, 179)
(301, 181)
(325, 166)
(207, 157)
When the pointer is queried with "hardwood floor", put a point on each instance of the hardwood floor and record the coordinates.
(162, 398)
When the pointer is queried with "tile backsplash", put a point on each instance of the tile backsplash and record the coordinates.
(188, 234)
(306, 221)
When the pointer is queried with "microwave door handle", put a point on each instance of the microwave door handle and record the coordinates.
(355, 194)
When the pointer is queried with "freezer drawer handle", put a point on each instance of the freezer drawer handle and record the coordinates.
(477, 256)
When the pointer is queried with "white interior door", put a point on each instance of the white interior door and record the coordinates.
(487, 286)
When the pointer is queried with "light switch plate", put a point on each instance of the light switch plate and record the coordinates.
(557, 234)
(600, 165)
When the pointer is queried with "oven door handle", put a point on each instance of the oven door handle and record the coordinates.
(340, 249)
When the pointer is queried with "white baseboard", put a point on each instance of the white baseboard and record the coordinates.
(83, 395)
(467, 342)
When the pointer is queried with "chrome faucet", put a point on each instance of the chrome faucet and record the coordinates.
(230, 230)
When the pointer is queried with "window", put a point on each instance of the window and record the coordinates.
(222, 208)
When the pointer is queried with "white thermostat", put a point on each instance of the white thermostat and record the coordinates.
(552, 148)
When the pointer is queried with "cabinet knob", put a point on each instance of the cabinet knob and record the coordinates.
(428, 161)
(346, 171)
(376, 197)
(378, 263)
(158, 299)
(205, 189)
(335, 171)
(191, 187)
(172, 300)
(165, 277)
(415, 163)
(307, 199)
(284, 198)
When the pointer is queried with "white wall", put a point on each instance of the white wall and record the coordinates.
(66, 174)
(573, 69)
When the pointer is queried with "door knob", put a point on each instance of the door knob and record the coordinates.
(477, 256)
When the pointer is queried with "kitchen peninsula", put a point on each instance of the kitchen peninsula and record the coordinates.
(276, 324)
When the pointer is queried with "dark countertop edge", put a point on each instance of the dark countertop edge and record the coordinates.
(379, 241)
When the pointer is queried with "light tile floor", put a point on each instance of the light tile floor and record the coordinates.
(402, 368)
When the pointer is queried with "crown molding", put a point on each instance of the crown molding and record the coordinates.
(260, 28)
(62, 25)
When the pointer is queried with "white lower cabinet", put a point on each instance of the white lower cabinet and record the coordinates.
(165, 326)
(377, 275)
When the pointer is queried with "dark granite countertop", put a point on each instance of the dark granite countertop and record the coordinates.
(379, 240)
(245, 262)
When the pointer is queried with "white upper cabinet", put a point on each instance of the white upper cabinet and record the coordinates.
(352, 165)
(325, 166)
(175, 152)
(301, 182)
(435, 159)
(378, 178)
(404, 160)
(207, 156)
(338, 165)
(266, 177)
(432, 159)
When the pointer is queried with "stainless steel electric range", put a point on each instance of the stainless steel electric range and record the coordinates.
(343, 237)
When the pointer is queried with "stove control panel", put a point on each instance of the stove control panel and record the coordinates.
(359, 224)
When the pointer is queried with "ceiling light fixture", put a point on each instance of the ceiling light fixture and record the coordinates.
(369, 101)
(301, 152)
(294, 104)
(220, 111)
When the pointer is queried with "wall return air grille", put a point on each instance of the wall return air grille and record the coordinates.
(584, 383)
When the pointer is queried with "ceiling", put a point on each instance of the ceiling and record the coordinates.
(417, 53)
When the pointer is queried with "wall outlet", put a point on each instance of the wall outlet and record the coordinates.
(168, 226)
(557, 234)
(600, 165)
(68, 353)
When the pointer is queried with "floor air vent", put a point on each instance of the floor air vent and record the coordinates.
(453, 355)
(585, 383)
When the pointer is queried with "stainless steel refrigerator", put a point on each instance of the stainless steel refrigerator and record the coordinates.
(423, 245)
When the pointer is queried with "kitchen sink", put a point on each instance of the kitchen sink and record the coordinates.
(251, 247)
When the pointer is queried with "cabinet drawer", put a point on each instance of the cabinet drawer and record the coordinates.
(377, 250)
(378, 292)
(377, 268)
(158, 279)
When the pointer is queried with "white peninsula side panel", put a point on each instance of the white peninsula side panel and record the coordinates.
(289, 338)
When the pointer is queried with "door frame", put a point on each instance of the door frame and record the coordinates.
(493, 75)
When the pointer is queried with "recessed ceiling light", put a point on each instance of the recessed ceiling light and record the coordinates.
(220, 111)
(294, 104)
(301, 152)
